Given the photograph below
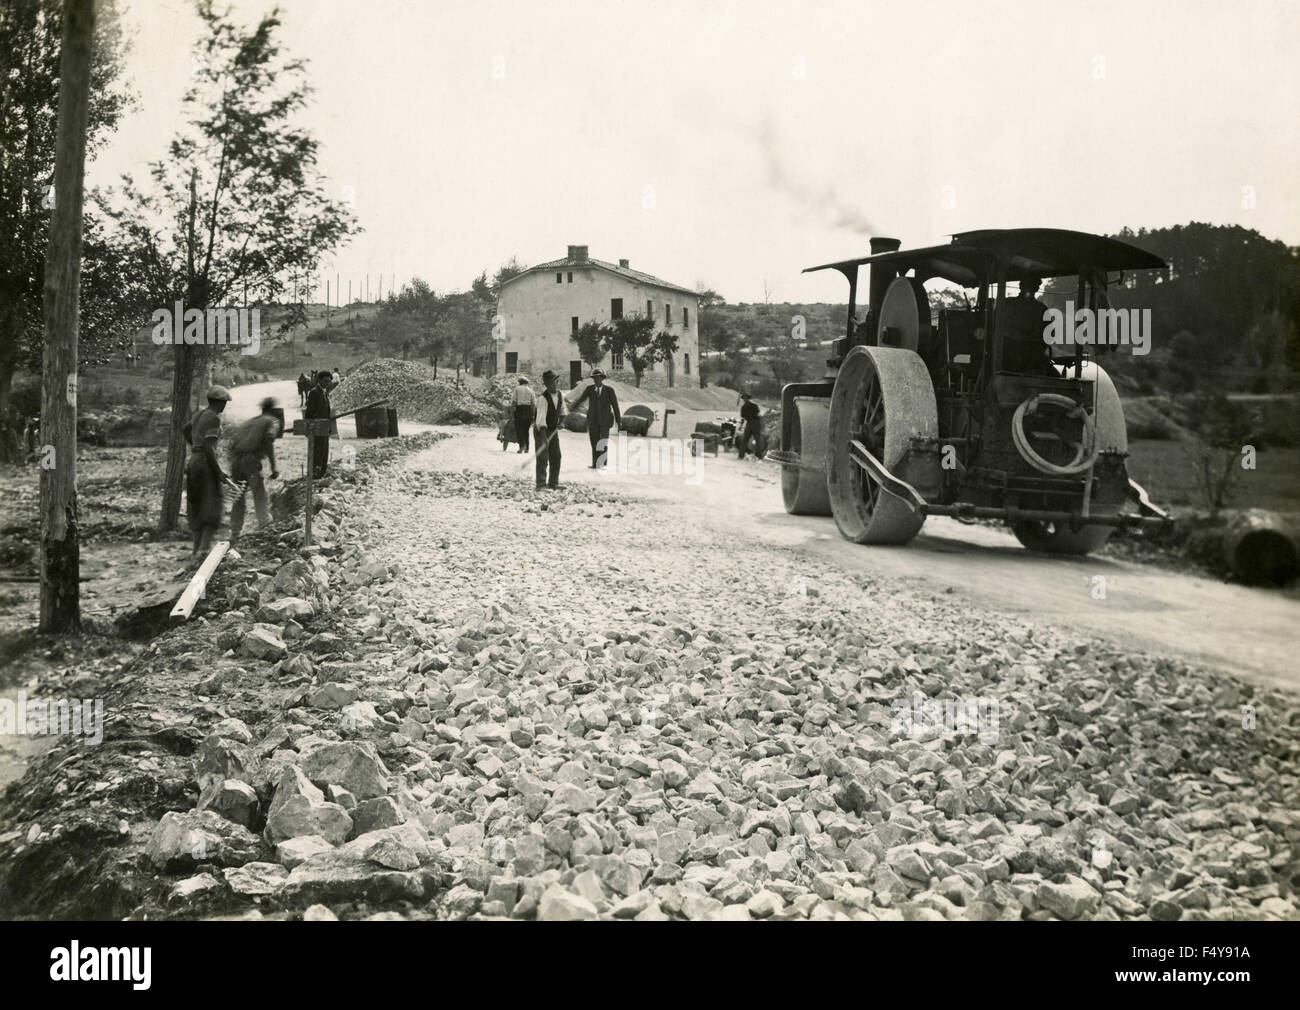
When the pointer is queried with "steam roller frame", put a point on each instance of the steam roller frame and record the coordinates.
(1112, 434)
(803, 487)
(883, 398)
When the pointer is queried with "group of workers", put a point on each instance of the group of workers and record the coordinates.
(544, 413)
(251, 441)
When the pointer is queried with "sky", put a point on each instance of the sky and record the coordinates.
(733, 144)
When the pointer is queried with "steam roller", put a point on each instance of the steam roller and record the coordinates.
(968, 411)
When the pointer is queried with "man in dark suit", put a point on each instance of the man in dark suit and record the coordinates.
(602, 413)
(318, 408)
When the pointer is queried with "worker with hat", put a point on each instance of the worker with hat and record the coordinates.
(601, 414)
(549, 410)
(318, 409)
(252, 440)
(203, 474)
(524, 412)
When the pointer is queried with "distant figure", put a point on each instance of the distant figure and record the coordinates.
(1021, 322)
(203, 474)
(253, 439)
(318, 408)
(549, 411)
(750, 425)
(338, 377)
(601, 414)
(11, 435)
(31, 437)
(523, 412)
(304, 384)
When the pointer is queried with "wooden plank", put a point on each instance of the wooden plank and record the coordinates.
(199, 584)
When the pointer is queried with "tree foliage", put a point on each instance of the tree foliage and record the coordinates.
(236, 207)
(31, 33)
(631, 339)
(590, 338)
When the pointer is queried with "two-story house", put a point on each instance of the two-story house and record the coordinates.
(539, 309)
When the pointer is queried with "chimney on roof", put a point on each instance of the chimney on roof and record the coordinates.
(623, 264)
(578, 253)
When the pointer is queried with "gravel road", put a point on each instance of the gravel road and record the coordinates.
(660, 699)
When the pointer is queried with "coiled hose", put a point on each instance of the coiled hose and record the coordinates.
(1087, 446)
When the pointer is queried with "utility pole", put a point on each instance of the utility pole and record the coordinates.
(60, 543)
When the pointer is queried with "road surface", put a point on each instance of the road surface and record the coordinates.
(1244, 631)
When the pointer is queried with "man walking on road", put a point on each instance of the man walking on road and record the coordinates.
(524, 411)
(253, 439)
(550, 413)
(601, 414)
(203, 474)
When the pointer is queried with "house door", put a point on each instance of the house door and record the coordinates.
(575, 373)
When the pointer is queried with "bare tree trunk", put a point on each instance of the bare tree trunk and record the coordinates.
(60, 546)
(182, 381)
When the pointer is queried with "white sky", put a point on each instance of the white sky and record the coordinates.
(1088, 115)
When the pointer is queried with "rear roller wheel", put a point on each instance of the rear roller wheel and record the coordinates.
(804, 491)
(883, 398)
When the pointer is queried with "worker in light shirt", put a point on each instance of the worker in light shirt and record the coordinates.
(523, 412)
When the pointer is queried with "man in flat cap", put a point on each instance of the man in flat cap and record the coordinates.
(601, 414)
(203, 474)
(253, 439)
(549, 410)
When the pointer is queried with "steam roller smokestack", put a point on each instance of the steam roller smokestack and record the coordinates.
(881, 273)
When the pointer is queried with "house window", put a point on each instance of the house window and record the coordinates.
(649, 309)
(668, 314)
(570, 276)
(616, 308)
(512, 361)
(686, 317)
(573, 324)
(559, 277)
(686, 363)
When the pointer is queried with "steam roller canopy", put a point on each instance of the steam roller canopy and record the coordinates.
(804, 491)
(905, 316)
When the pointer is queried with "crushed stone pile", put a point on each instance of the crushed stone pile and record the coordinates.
(410, 386)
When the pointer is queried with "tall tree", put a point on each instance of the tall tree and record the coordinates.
(60, 546)
(629, 338)
(31, 34)
(590, 338)
(663, 345)
(237, 205)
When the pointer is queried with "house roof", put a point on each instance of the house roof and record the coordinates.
(636, 276)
